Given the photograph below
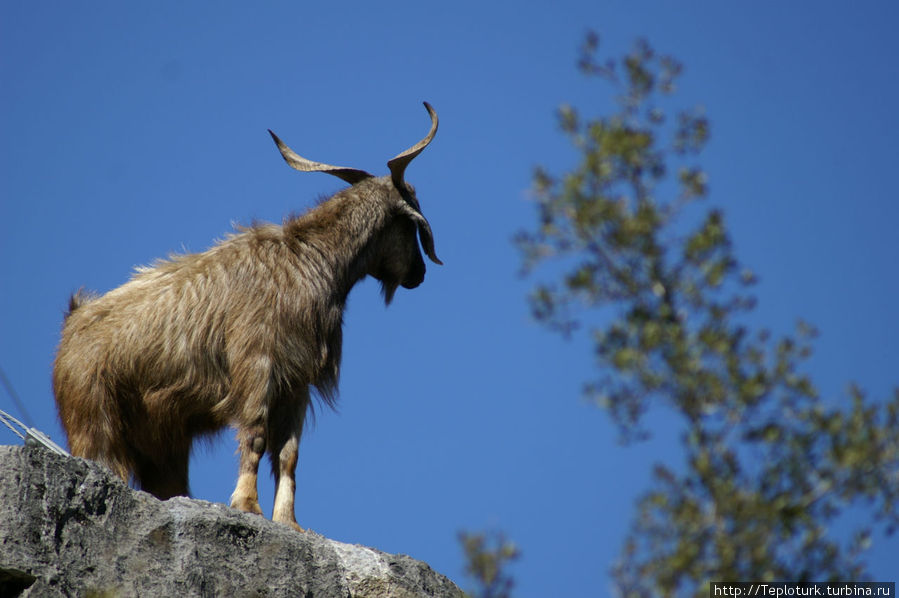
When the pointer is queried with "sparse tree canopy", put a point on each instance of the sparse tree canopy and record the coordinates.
(487, 556)
(627, 254)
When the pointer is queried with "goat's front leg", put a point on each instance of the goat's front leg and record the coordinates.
(251, 443)
(249, 397)
(285, 428)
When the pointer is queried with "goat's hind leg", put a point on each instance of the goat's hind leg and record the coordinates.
(285, 428)
(166, 475)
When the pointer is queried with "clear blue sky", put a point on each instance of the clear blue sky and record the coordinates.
(132, 130)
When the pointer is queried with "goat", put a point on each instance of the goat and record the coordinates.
(235, 335)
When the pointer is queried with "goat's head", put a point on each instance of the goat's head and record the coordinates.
(399, 260)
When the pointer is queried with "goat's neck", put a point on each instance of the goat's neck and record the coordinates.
(338, 235)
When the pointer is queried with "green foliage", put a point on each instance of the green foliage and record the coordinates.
(487, 557)
(769, 466)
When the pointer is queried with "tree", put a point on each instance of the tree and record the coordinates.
(487, 556)
(631, 259)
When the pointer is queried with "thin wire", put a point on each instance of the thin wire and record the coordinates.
(15, 399)
(6, 418)
(31, 433)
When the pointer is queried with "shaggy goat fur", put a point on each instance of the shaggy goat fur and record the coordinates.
(234, 335)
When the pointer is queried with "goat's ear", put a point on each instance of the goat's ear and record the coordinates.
(427, 239)
(350, 175)
(425, 235)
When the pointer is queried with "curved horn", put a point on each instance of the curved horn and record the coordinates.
(350, 175)
(398, 164)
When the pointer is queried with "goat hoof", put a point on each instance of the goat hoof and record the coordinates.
(290, 523)
(247, 506)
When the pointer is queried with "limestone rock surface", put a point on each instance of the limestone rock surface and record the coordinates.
(69, 527)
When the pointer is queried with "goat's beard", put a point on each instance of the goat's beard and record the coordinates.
(387, 291)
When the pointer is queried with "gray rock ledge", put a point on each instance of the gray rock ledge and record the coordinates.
(69, 527)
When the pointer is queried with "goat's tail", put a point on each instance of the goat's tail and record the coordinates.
(79, 298)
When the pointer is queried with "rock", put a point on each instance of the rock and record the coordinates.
(69, 527)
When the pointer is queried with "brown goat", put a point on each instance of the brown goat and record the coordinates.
(234, 335)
